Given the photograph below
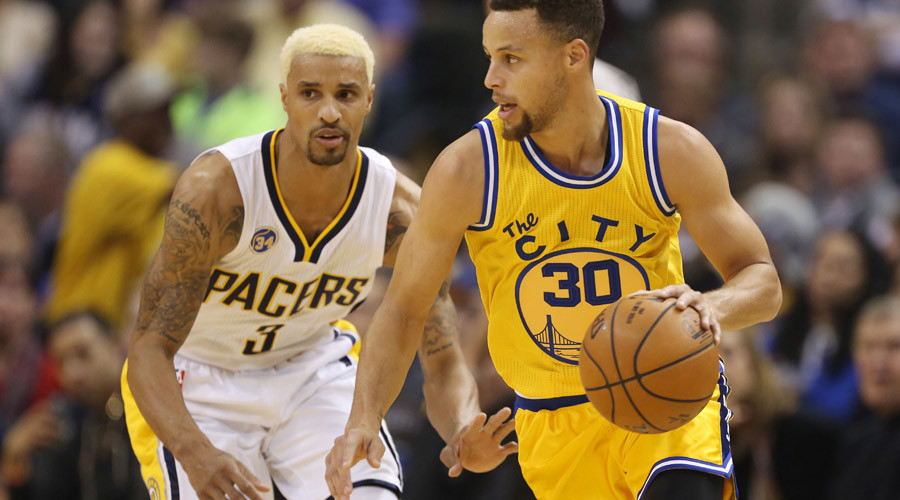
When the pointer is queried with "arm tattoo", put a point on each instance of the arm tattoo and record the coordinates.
(396, 227)
(179, 274)
(440, 327)
(235, 227)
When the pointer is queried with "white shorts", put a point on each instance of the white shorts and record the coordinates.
(280, 422)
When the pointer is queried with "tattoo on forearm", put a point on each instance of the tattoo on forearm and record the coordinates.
(396, 228)
(440, 327)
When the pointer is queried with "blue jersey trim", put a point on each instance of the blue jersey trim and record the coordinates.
(174, 490)
(523, 403)
(557, 176)
(491, 175)
(651, 160)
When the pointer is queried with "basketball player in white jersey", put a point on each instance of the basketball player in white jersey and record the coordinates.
(270, 240)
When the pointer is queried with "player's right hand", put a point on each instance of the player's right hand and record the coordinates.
(215, 474)
(356, 444)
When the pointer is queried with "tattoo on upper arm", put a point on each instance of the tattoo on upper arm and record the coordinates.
(396, 227)
(179, 274)
(440, 327)
(235, 227)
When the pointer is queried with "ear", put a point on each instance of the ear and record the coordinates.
(283, 89)
(578, 54)
(370, 97)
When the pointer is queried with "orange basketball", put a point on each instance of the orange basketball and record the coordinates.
(648, 367)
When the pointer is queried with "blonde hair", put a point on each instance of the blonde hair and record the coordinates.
(326, 39)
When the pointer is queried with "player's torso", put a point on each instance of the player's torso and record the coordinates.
(552, 250)
(277, 294)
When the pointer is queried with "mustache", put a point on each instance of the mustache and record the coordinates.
(344, 132)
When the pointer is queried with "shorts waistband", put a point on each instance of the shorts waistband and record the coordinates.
(549, 403)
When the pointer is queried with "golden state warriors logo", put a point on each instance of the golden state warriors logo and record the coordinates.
(560, 294)
(263, 239)
(153, 489)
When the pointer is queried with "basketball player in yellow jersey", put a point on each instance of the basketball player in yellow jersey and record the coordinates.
(568, 199)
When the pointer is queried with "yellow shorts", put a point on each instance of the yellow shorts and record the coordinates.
(568, 451)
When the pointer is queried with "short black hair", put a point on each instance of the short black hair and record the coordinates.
(565, 19)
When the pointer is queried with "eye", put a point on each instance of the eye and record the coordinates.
(510, 59)
(346, 94)
(308, 93)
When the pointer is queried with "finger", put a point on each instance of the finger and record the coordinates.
(497, 419)
(249, 481)
(639, 292)
(504, 430)
(688, 299)
(450, 459)
(476, 425)
(671, 291)
(509, 448)
(374, 453)
(717, 331)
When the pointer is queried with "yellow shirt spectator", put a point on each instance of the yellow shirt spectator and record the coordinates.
(112, 223)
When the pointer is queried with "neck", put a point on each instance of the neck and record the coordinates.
(295, 169)
(576, 140)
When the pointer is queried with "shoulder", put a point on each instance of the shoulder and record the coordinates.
(688, 162)
(211, 178)
(462, 162)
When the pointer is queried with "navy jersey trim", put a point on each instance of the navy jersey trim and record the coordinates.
(172, 471)
(303, 251)
(523, 403)
(651, 160)
(557, 176)
(376, 483)
(491, 175)
(362, 175)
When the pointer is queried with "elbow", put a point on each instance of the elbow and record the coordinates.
(773, 297)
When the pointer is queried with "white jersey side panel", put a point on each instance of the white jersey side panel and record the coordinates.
(276, 294)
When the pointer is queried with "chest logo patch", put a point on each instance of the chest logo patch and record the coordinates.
(263, 239)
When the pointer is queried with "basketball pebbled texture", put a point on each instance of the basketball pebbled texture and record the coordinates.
(648, 367)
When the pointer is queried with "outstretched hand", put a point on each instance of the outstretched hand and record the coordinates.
(354, 445)
(477, 447)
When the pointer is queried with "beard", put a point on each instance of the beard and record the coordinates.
(541, 118)
(327, 157)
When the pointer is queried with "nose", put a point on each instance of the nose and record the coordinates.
(329, 112)
(492, 80)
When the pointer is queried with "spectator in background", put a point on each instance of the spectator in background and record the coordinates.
(813, 338)
(778, 453)
(77, 448)
(220, 106)
(855, 191)
(69, 92)
(692, 86)
(841, 56)
(26, 374)
(869, 455)
(115, 205)
(395, 21)
(35, 173)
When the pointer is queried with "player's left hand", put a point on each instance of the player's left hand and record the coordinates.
(687, 297)
(477, 447)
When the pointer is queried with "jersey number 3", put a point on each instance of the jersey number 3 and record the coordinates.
(270, 332)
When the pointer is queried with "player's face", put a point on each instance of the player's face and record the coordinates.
(326, 99)
(526, 71)
(877, 353)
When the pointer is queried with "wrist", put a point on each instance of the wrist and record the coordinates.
(192, 449)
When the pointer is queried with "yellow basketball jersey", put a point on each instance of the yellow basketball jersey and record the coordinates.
(553, 249)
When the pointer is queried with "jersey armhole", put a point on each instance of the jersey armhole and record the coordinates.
(491, 171)
(651, 161)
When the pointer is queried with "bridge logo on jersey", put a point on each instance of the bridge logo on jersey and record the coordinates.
(560, 294)
(153, 489)
(263, 239)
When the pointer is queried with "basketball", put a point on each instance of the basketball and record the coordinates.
(648, 367)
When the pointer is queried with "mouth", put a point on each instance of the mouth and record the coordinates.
(329, 137)
(506, 110)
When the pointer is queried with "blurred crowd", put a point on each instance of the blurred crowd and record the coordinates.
(104, 102)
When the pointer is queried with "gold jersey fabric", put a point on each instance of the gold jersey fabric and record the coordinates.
(552, 249)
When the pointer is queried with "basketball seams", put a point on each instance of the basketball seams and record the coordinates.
(609, 386)
(612, 339)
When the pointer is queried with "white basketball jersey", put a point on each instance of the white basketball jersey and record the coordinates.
(276, 295)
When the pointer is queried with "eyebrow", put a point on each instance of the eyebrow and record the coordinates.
(351, 85)
(510, 48)
(304, 83)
